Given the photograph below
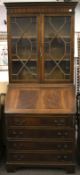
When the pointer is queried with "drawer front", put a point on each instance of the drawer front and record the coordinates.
(40, 133)
(40, 121)
(40, 157)
(40, 145)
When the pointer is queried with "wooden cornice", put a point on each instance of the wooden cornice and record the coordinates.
(40, 7)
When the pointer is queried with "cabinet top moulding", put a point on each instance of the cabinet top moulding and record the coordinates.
(41, 7)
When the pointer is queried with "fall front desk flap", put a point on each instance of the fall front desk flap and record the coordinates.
(31, 98)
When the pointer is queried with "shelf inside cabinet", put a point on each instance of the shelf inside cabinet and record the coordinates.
(23, 37)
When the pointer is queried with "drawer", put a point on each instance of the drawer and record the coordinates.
(40, 145)
(40, 133)
(40, 157)
(40, 121)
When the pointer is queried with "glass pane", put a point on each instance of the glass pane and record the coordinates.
(57, 48)
(24, 48)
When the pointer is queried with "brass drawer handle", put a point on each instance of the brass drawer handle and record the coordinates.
(18, 157)
(19, 122)
(18, 145)
(20, 133)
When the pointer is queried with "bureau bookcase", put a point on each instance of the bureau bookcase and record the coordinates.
(40, 103)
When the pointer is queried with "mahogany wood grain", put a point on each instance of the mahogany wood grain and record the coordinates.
(43, 99)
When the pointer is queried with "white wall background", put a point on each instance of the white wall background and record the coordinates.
(77, 28)
(77, 18)
(3, 27)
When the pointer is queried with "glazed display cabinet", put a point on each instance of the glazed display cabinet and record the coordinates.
(41, 42)
(40, 103)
